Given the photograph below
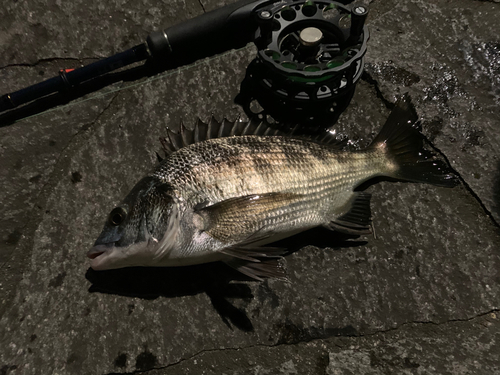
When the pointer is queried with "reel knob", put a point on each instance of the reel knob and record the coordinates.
(310, 57)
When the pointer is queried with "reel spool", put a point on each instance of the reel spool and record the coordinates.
(311, 54)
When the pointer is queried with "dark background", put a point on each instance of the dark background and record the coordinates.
(422, 297)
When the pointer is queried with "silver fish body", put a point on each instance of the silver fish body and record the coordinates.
(285, 185)
(224, 198)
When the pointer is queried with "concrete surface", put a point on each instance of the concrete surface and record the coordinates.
(422, 297)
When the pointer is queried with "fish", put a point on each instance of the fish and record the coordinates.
(226, 190)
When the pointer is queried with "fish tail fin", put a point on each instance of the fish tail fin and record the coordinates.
(402, 142)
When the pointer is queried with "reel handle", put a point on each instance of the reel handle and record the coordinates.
(232, 26)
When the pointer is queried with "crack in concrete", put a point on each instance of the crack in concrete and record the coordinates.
(368, 78)
(35, 212)
(430, 322)
(372, 19)
(70, 142)
(466, 185)
(51, 176)
(92, 123)
(80, 131)
(413, 323)
(202, 6)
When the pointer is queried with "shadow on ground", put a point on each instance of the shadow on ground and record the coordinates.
(217, 280)
(152, 282)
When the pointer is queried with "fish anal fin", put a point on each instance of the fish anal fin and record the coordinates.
(264, 269)
(348, 228)
(357, 217)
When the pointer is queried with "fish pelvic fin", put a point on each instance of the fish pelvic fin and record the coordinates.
(400, 139)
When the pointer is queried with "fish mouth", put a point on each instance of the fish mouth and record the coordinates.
(92, 254)
(98, 255)
(108, 256)
(97, 251)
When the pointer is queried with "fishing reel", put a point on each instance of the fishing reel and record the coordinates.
(310, 56)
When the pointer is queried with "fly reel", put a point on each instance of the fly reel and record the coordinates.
(311, 54)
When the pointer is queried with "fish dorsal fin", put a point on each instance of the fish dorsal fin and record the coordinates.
(202, 131)
(186, 135)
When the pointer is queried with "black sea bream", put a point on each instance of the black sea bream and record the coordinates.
(222, 195)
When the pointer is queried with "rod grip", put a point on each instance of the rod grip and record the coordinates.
(211, 33)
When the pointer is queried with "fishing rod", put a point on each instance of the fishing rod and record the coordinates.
(309, 52)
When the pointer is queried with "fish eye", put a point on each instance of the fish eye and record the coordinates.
(117, 216)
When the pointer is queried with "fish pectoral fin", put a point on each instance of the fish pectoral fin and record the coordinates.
(357, 219)
(236, 219)
(259, 269)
